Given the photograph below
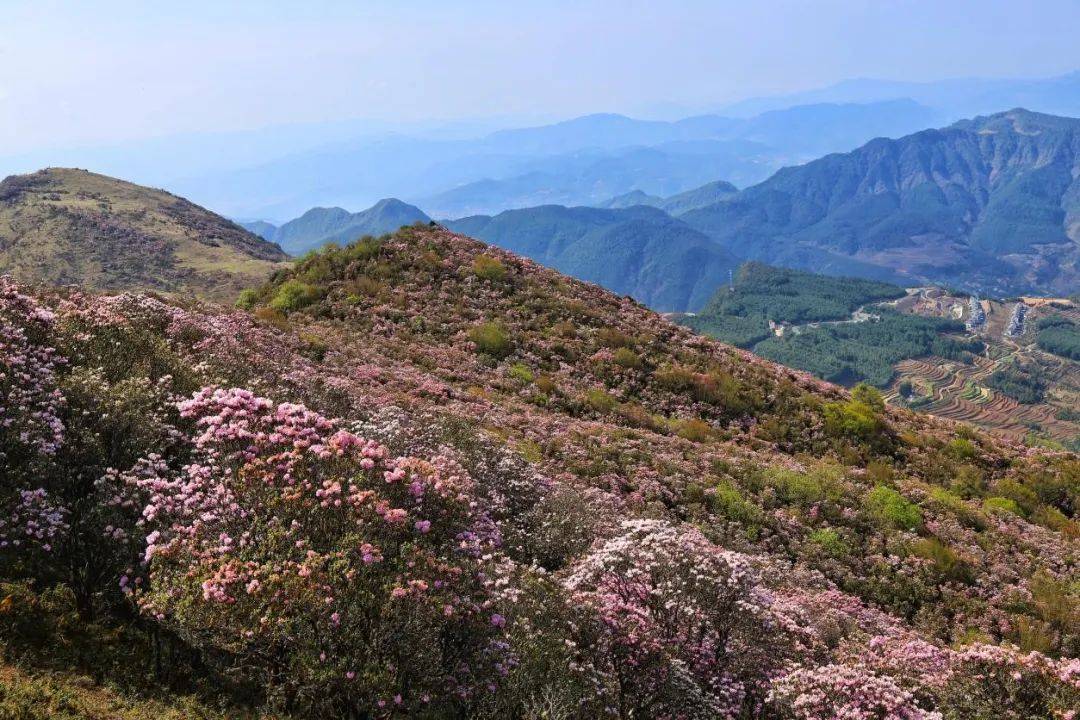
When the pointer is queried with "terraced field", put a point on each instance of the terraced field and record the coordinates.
(957, 390)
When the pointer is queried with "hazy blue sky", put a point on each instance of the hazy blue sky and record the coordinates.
(87, 72)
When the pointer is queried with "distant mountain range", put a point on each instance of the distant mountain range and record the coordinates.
(592, 177)
(990, 204)
(630, 199)
(577, 162)
(458, 169)
(952, 99)
(638, 251)
(72, 227)
(319, 226)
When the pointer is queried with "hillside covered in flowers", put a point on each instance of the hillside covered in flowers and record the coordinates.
(421, 477)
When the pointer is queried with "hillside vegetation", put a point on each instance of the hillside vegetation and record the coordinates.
(62, 226)
(867, 351)
(423, 477)
(805, 321)
(790, 296)
(1059, 335)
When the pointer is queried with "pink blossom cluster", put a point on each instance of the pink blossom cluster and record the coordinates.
(33, 521)
(30, 402)
(282, 517)
(844, 692)
(668, 600)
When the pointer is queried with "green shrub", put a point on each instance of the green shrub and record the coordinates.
(362, 250)
(564, 329)
(489, 268)
(962, 449)
(717, 388)
(1024, 497)
(599, 400)
(804, 489)
(365, 286)
(943, 500)
(271, 316)
(491, 338)
(945, 559)
(546, 384)
(613, 338)
(795, 488)
(627, 358)
(891, 509)
(521, 373)
(827, 542)
(1051, 517)
(856, 419)
(247, 299)
(675, 378)
(635, 415)
(313, 347)
(693, 429)
(869, 396)
(694, 494)
(293, 295)
(969, 482)
(1000, 504)
(727, 501)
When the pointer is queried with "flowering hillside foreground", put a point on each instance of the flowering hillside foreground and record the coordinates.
(420, 477)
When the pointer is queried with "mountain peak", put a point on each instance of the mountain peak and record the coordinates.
(326, 212)
(393, 204)
(1020, 120)
(320, 226)
(639, 251)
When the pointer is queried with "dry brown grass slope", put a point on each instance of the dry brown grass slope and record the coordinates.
(63, 226)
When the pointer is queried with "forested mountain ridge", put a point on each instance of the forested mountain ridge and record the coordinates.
(698, 197)
(638, 251)
(840, 329)
(989, 204)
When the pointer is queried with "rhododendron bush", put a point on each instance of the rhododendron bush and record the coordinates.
(680, 625)
(310, 555)
(349, 507)
(29, 399)
(72, 414)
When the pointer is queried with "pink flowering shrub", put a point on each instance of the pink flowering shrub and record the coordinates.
(681, 630)
(96, 395)
(313, 562)
(842, 691)
(34, 521)
(990, 681)
(30, 402)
